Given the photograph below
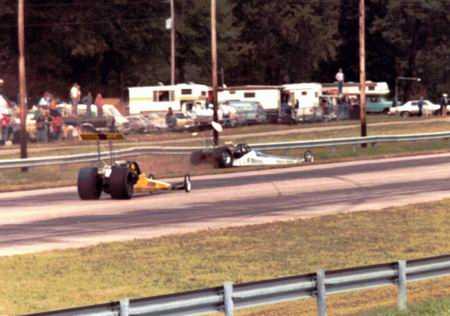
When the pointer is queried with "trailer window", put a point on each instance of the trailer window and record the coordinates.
(232, 92)
(249, 95)
(186, 91)
(162, 96)
(304, 93)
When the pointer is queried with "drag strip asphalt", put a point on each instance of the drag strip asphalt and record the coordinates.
(48, 219)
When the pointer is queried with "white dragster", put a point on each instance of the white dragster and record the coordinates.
(242, 155)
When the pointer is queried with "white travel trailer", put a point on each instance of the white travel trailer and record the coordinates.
(180, 97)
(268, 96)
(352, 88)
(304, 98)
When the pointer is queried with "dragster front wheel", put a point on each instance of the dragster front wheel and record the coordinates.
(187, 183)
(308, 156)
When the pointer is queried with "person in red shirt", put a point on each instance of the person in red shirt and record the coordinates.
(6, 126)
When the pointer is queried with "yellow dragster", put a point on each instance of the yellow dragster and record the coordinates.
(120, 179)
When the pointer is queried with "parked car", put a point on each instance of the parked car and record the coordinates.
(378, 104)
(138, 124)
(411, 108)
(203, 116)
(181, 121)
(110, 116)
(157, 122)
(248, 112)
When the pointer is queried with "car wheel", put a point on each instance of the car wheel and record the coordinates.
(89, 184)
(187, 183)
(404, 114)
(308, 156)
(121, 184)
(224, 158)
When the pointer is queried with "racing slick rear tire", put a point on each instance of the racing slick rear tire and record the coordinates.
(89, 184)
(120, 183)
(224, 158)
(308, 156)
(187, 183)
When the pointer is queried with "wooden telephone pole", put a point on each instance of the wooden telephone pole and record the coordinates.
(362, 67)
(172, 43)
(214, 67)
(22, 83)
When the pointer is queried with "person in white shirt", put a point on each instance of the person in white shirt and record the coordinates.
(340, 80)
(75, 95)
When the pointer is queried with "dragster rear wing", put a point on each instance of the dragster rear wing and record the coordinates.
(102, 136)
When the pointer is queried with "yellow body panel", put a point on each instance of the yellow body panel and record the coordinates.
(145, 184)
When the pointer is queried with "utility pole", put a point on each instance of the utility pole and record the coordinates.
(22, 83)
(362, 67)
(214, 67)
(172, 43)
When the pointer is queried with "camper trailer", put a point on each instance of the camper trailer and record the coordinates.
(376, 94)
(268, 96)
(180, 97)
(304, 100)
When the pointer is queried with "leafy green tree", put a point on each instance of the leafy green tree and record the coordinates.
(286, 40)
(419, 32)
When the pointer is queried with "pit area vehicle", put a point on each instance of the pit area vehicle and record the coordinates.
(411, 108)
(119, 178)
(242, 155)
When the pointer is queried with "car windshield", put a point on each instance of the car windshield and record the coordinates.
(244, 106)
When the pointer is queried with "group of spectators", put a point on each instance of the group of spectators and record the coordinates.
(49, 120)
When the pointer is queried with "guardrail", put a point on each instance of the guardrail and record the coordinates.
(229, 298)
(165, 150)
(353, 141)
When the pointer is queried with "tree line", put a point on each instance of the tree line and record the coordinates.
(109, 45)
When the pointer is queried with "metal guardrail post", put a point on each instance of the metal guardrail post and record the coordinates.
(228, 298)
(321, 293)
(124, 307)
(402, 299)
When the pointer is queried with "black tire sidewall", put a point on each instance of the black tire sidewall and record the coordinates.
(89, 184)
(120, 185)
(224, 158)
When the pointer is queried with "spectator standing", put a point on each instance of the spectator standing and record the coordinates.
(45, 100)
(420, 104)
(16, 128)
(75, 95)
(41, 127)
(1, 129)
(444, 103)
(57, 126)
(99, 102)
(170, 119)
(340, 80)
(6, 126)
(88, 99)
